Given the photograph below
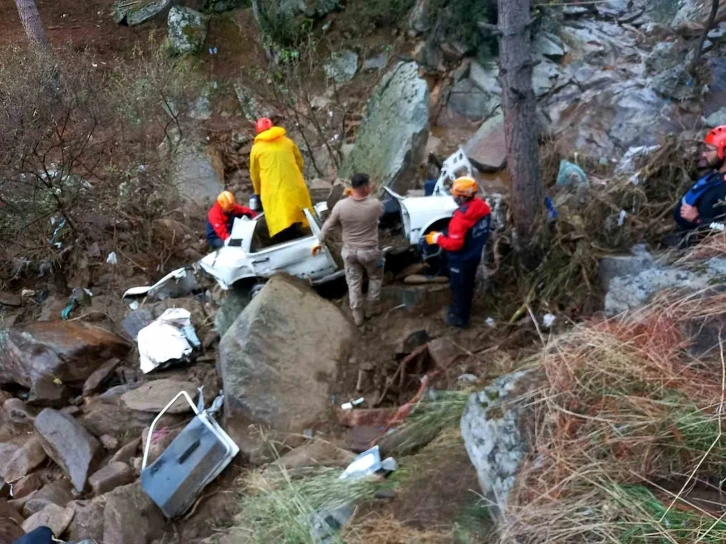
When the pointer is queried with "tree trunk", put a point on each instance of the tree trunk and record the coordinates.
(707, 28)
(32, 24)
(520, 117)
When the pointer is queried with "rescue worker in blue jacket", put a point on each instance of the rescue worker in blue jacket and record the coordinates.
(704, 204)
(464, 243)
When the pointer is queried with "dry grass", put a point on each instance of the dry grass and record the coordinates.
(378, 529)
(622, 410)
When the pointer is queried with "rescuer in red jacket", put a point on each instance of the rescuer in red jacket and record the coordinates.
(464, 243)
(221, 217)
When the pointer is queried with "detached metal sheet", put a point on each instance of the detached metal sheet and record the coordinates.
(195, 458)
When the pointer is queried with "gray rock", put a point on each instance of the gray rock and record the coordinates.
(252, 106)
(130, 517)
(140, 11)
(154, 396)
(487, 149)
(59, 493)
(470, 101)
(632, 292)
(664, 55)
(421, 17)
(45, 356)
(486, 77)
(279, 377)
(26, 485)
(19, 412)
(392, 138)
(220, 6)
(493, 427)
(617, 266)
(675, 83)
(110, 477)
(102, 418)
(126, 453)
(194, 176)
(70, 445)
(87, 521)
(289, 16)
(373, 64)
(342, 67)
(10, 299)
(187, 30)
(100, 376)
(23, 460)
(547, 77)
(429, 56)
(55, 517)
(549, 45)
(714, 99)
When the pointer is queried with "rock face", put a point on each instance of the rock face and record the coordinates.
(194, 176)
(493, 429)
(70, 445)
(275, 16)
(634, 291)
(44, 356)
(278, 359)
(130, 517)
(394, 132)
(187, 30)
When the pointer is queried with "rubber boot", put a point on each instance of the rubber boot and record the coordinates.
(358, 317)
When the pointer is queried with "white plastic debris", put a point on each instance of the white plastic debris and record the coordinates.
(112, 259)
(548, 320)
(490, 322)
(366, 464)
(346, 406)
(169, 338)
(621, 218)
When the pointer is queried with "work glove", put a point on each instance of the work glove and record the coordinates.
(432, 238)
(317, 248)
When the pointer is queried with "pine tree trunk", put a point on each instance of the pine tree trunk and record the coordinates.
(520, 117)
(32, 24)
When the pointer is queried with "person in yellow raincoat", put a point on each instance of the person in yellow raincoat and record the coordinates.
(276, 167)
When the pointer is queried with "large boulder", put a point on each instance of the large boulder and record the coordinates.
(187, 30)
(194, 176)
(70, 445)
(48, 356)
(495, 430)
(487, 149)
(392, 138)
(635, 291)
(278, 360)
(285, 18)
(136, 12)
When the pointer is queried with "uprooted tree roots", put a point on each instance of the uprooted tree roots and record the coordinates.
(630, 424)
(592, 221)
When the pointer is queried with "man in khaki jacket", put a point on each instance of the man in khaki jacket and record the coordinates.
(358, 215)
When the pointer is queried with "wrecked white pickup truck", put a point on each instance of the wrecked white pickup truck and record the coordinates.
(249, 255)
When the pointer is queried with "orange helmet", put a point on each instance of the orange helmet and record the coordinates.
(226, 201)
(464, 186)
(263, 124)
(717, 138)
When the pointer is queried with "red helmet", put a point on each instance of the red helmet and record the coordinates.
(717, 138)
(263, 124)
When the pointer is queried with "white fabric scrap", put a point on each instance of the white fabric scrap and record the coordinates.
(170, 337)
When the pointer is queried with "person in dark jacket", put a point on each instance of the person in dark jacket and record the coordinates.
(464, 243)
(221, 217)
(705, 201)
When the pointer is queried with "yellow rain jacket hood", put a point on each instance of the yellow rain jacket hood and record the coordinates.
(276, 167)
